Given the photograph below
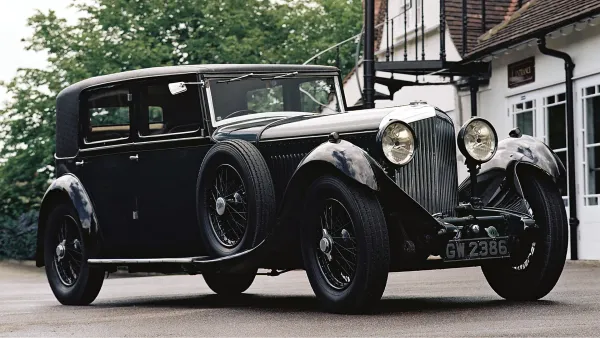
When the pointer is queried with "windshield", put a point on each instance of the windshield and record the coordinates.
(255, 95)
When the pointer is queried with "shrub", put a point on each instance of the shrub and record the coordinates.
(18, 236)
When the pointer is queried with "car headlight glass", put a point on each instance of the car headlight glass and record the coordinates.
(398, 143)
(477, 140)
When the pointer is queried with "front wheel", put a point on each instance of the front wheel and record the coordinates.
(538, 259)
(71, 279)
(345, 245)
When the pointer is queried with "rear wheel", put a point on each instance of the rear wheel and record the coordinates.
(229, 284)
(71, 279)
(538, 259)
(345, 245)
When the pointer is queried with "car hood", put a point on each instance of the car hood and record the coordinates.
(281, 127)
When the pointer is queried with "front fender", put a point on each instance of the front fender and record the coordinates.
(67, 188)
(345, 158)
(349, 159)
(514, 153)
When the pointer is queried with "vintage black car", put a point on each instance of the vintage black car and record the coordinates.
(227, 170)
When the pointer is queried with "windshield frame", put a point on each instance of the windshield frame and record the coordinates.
(339, 96)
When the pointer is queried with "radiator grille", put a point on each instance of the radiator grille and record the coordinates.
(431, 178)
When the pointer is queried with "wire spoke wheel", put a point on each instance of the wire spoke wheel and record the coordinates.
(68, 256)
(227, 206)
(527, 245)
(336, 250)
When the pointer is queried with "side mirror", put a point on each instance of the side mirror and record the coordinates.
(177, 88)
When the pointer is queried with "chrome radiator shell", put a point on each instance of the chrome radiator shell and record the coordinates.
(431, 178)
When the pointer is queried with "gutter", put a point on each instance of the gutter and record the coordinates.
(569, 67)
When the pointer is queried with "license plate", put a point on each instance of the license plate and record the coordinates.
(482, 248)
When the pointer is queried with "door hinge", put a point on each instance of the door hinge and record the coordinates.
(135, 214)
(129, 97)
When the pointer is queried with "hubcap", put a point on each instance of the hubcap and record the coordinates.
(326, 244)
(220, 206)
(337, 248)
(227, 206)
(61, 250)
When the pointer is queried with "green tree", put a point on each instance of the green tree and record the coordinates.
(118, 35)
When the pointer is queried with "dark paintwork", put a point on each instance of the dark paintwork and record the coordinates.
(513, 153)
(69, 186)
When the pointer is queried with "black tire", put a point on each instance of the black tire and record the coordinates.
(231, 232)
(71, 279)
(229, 284)
(532, 273)
(364, 232)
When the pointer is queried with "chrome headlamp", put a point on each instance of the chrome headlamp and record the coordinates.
(398, 142)
(477, 140)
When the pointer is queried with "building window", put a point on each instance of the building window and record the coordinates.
(556, 129)
(524, 117)
(591, 117)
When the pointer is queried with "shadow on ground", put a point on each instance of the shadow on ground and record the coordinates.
(262, 303)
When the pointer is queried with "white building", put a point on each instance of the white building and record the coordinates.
(526, 88)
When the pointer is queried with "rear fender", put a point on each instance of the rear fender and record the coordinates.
(503, 174)
(67, 188)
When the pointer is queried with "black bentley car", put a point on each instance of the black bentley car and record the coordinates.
(228, 170)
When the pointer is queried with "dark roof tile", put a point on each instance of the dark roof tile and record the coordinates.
(535, 18)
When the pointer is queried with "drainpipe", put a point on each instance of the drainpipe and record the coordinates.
(369, 54)
(569, 66)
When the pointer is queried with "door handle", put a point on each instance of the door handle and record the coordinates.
(134, 157)
(79, 163)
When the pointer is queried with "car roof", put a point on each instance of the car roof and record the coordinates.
(76, 88)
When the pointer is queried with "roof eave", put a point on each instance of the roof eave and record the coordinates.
(480, 54)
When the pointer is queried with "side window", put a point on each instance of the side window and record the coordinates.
(163, 113)
(108, 115)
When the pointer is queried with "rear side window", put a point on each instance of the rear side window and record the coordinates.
(108, 113)
(163, 113)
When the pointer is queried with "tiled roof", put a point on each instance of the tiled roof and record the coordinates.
(495, 12)
(536, 18)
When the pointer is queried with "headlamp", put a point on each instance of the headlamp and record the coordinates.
(477, 140)
(398, 142)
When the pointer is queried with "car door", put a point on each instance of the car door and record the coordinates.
(171, 145)
(104, 166)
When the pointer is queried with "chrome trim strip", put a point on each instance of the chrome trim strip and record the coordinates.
(317, 136)
(145, 260)
(102, 141)
(66, 158)
(166, 134)
(144, 142)
(340, 98)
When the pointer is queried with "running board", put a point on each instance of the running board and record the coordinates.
(244, 257)
(181, 260)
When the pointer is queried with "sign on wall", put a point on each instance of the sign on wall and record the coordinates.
(521, 73)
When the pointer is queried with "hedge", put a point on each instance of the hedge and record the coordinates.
(18, 236)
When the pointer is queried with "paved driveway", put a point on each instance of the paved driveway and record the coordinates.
(445, 303)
